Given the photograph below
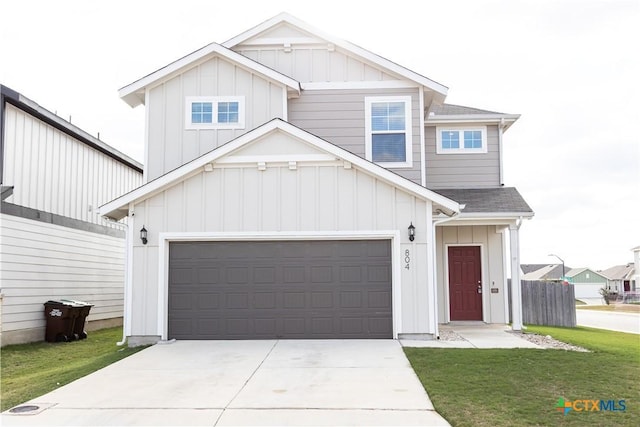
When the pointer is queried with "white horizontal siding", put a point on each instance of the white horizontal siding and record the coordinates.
(41, 261)
(55, 173)
(478, 170)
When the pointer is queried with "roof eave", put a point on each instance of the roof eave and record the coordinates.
(116, 208)
(440, 90)
(134, 93)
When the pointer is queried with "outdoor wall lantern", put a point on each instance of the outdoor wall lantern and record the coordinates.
(412, 232)
(143, 235)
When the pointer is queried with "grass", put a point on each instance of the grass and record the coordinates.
(31, 370)
(512, 387)
(625, 308)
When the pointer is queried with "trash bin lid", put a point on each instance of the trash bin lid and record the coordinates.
(58, 302)
(76, 303)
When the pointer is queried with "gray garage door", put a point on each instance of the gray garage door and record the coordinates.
(266, 290)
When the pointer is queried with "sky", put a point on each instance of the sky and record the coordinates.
(570, 68)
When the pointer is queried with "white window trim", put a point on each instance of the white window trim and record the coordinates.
(461, 150)
(408, 130)
(214, 100)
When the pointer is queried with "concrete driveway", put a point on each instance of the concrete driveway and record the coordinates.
(301, 382)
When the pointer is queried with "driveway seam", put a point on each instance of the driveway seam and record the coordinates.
(246, 382)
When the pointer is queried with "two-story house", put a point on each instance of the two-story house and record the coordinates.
(300, 186)
(53, 242)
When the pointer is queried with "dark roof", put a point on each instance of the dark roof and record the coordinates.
(451, 109)
(488, 200)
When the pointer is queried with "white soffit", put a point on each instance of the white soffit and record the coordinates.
(134, 93)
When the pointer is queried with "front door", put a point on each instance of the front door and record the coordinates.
(465, 283)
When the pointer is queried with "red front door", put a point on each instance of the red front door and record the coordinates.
(465, 280)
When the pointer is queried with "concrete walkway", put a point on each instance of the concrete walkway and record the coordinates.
(221, 383)
(474, 335)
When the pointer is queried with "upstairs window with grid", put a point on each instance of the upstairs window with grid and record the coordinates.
(388, 131)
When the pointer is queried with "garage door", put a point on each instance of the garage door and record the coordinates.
(266, 290)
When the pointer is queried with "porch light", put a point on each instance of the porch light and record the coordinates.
(412, 232)
(143, 235)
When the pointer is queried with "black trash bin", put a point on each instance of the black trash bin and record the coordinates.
(60, 317)
(82, 309)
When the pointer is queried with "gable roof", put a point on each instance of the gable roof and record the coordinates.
(544, 272)
(134, 93)
(575, 271)
(356, 50)
(619, 272)
(118, 208)
(505, 201)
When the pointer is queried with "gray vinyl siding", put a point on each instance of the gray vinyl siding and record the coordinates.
(170, 145)
(478, 170)
(339, 117)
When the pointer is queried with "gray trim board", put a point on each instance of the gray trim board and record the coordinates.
(63, 221)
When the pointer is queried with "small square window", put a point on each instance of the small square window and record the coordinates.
(209, 112)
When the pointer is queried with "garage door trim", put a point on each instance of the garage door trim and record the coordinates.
(166, 238)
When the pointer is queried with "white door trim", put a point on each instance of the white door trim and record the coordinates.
(166, 238)
(483, 278)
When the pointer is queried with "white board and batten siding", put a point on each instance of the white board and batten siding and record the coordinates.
(338, 116)
(324, 198)
(56, 173)
(490, 239)
(170, 144)
(41, 261)
(475, 170)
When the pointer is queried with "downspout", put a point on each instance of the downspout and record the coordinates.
(434, 270)
(126, 263)
(500, 127)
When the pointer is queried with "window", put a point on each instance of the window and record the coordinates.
(388, 130)
(461, 140)
(210, 112)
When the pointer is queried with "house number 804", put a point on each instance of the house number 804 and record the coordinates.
(407, 259)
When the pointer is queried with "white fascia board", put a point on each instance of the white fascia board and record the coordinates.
(133, 94)
(194, 167)
(460, 119)
(357, 50)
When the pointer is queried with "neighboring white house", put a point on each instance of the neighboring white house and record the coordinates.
(299, 186)
(53, 242)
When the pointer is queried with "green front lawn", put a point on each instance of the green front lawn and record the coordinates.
(31, 370)
(511, 387)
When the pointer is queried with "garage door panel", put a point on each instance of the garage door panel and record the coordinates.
(321, 289)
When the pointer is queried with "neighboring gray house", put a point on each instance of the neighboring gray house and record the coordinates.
(620, 278)
(53, 242)
(299, 186)
(544, 272)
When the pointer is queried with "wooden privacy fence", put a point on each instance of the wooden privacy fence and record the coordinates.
(548, 303)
